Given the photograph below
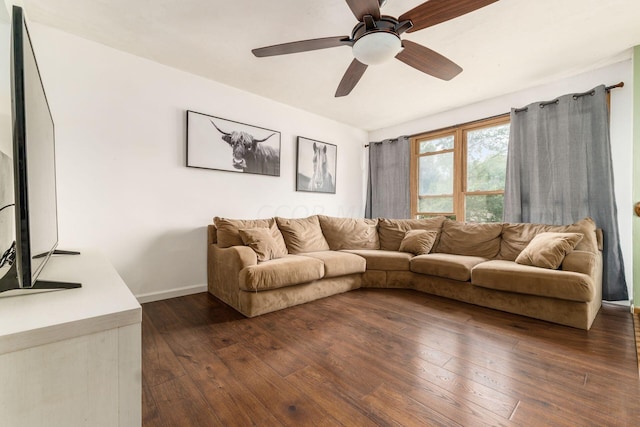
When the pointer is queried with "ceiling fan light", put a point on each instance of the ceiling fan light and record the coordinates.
(376, 48)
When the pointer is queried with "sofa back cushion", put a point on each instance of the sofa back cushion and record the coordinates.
(470, 239)
(302, 234)
(516, 237)
(350, 233)
(228, 230)
(392, 231)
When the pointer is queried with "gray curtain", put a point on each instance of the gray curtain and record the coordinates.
(559, 171)
(388, 192)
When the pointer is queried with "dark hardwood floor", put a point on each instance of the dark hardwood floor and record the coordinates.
(383, 357)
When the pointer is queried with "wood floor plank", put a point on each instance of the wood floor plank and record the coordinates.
(401, 410)
(539, 391)
(332, 398)
(455, 406)
(383, 357)
(230, 398)
(312, 343)
(159, 361)
(150, 414)
(180, 403)
(532, 413)
(286, 403)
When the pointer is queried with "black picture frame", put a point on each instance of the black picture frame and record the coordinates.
(309, 167)
(222, 144)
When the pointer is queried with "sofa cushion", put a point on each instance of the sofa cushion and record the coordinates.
(418, 242)
(339, 263)
(279, 273)
(456, 267)
(267, 243)
(523, 279)
(392, 231)
(470, 239)
(516, 237)
(228, 234)
(350, 233)
(547, 250)
(384, 260)
(302, 234)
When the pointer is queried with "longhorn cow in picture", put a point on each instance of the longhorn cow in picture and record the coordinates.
(251, 155)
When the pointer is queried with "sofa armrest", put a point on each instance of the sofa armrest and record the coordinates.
(581, 262)
(235, 256)
(223, 270)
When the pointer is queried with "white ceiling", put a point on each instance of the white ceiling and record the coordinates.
(505, 47)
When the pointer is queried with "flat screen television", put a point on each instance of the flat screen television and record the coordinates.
(34, 169)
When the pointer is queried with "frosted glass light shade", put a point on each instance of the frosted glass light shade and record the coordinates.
(376, 48)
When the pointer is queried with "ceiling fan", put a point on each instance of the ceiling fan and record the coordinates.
(376, 39)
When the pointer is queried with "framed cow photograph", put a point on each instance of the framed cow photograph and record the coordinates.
(221, 144)
(316, 166)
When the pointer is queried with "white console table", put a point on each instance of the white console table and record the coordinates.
(71, 357)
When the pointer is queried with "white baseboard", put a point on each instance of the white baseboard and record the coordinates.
(171, 293)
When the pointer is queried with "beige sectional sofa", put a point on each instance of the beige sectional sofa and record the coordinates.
(548, 272)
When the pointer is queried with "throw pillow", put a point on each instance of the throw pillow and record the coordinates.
(547, 250)
(302, 234)
(264, 242)
(418, 242)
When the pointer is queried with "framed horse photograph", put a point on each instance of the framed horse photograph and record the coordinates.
(316, 166)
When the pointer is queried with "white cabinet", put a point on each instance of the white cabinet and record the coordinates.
(71, 357)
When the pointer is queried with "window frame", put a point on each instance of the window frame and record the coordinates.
(459, 133)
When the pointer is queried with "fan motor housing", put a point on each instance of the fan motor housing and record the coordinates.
(386, 24)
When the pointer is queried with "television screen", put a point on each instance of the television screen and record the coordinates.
(34, 159)
(40, 162)
(7, 221)
(34, 172)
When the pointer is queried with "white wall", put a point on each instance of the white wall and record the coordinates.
(621, 131)
(6, 142)
(122, 182)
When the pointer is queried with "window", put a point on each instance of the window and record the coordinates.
(460, 172)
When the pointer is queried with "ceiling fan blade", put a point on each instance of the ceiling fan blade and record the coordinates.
(303, 46)
(434, 12)
(428, 61)
(351, 78)
(361, 8)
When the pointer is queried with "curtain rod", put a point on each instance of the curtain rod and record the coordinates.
(608, 89)
(576, 96)
(388, 139)
(448, 127)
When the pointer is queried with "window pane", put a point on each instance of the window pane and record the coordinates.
(427, 216)
(484, 208)
(487, 158)
(435, 204)
(438, 144)
(435, 174)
